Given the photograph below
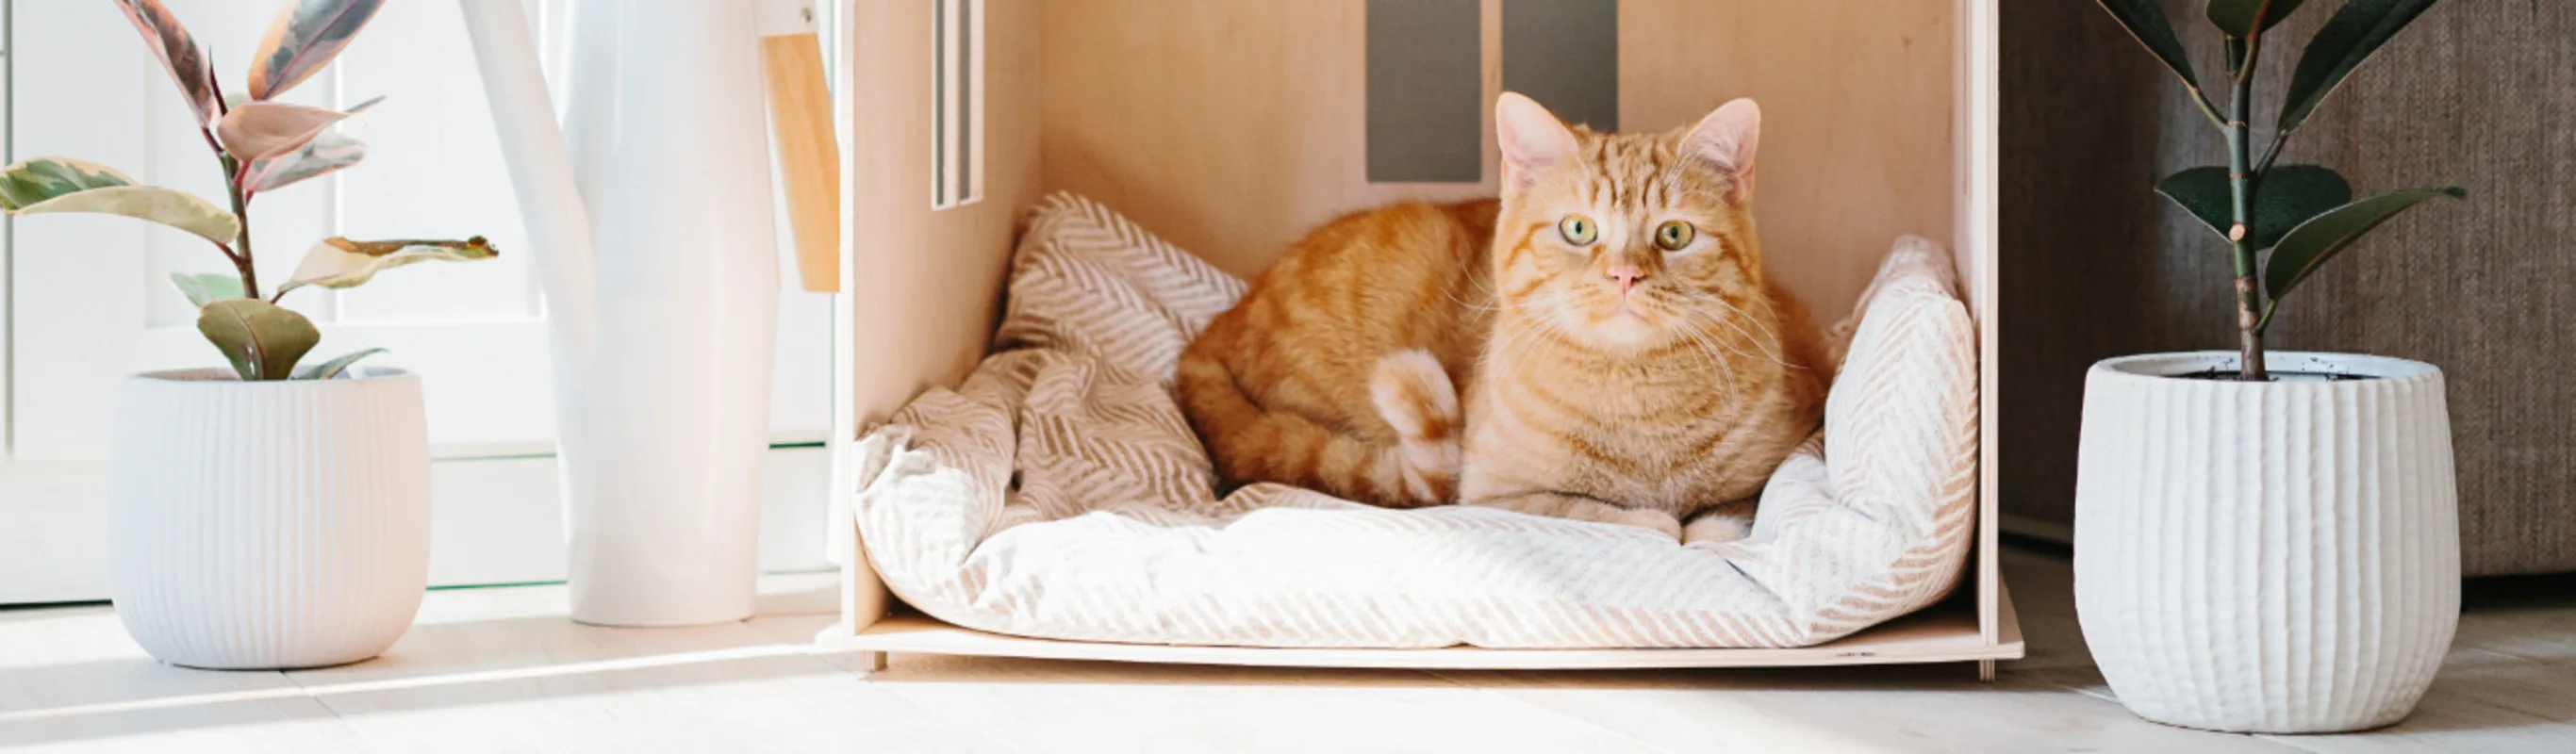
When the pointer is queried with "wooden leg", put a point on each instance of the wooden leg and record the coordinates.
(871, 662)
(1986, 670)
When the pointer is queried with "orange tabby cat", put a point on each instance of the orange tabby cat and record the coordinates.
(1605, 325)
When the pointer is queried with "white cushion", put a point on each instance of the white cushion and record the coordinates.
(1059, 493)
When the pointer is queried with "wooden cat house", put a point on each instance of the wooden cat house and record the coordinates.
(1230, 127)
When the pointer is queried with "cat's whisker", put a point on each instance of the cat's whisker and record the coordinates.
(1526, 335)
(1538, 327)
(1696, 317)
(1759, 343)
(1486, 296)
(1707, 353)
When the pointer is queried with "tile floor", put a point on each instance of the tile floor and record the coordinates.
(490, 670)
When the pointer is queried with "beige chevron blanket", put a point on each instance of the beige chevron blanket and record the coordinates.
(1059, 493)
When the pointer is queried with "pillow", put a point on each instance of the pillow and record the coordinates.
(1058, 493)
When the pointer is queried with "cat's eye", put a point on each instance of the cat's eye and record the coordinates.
(1577, 229)
(1673, 235)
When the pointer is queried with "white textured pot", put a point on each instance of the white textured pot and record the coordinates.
(269, 524)
(2267, 557)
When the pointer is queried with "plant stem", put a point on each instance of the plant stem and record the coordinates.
(2241, 184)
(241, 212)
(227, 161)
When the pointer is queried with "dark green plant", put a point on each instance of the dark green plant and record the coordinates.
(2303, 214)
(263, 146)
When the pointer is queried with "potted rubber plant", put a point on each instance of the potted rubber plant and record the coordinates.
(275, 513)
(2268, 541)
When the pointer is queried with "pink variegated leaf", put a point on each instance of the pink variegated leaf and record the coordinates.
(326, 153)
(178, 52)
(303, 39)
(341, 263)
(57, 184)
(258, 130)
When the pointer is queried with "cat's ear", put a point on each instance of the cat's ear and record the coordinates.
(1725, 141)
(1531, 137)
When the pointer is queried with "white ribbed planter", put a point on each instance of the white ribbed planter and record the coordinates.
(269, 524)
(2276, 557)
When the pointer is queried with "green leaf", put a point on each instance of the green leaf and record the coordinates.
(262, 341)
(178, 52)
(333, 368)
(2293, 194)
(207, 288)
(2288, 195)
(2239, 18)
(2308, 246)
(2145, 20)
(2356, 30)
(326, 153)
(43, 178)
(2204, 192)
(341, 263)
(302, 39)
(56, 184)
(255, 130)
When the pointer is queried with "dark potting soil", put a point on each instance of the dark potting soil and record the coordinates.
(2231, 375)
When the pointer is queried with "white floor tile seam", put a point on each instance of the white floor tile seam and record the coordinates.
(290, 691)
(2103, 693)
(2097, 692)
(2315, 740)
(2558, 661)
(1536, 708)
(2303, 743)
(325, 704)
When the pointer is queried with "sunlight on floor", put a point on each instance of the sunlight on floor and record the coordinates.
(500, 668)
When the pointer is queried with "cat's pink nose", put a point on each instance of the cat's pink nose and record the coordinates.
(1625, 275)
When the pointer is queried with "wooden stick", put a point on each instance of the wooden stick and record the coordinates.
(800, 122)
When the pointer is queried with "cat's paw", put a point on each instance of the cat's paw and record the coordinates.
(1424, 473)
(1648, 518)
(1727, 526)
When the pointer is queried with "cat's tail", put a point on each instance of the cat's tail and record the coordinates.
(1414, 395)
(1251, 444)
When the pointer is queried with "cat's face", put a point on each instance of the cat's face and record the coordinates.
(1629, 241)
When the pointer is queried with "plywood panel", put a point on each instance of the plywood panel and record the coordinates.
(1229, 127)
(1232, 127)
(1939, 634)
(926, 285)
(1856, 119)
(1975, 112)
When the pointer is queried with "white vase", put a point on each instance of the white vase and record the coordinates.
(667, 429)
(269, 524)
(2274, 557)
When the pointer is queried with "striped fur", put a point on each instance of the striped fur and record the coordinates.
(1644, 403)
(1285, 386)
